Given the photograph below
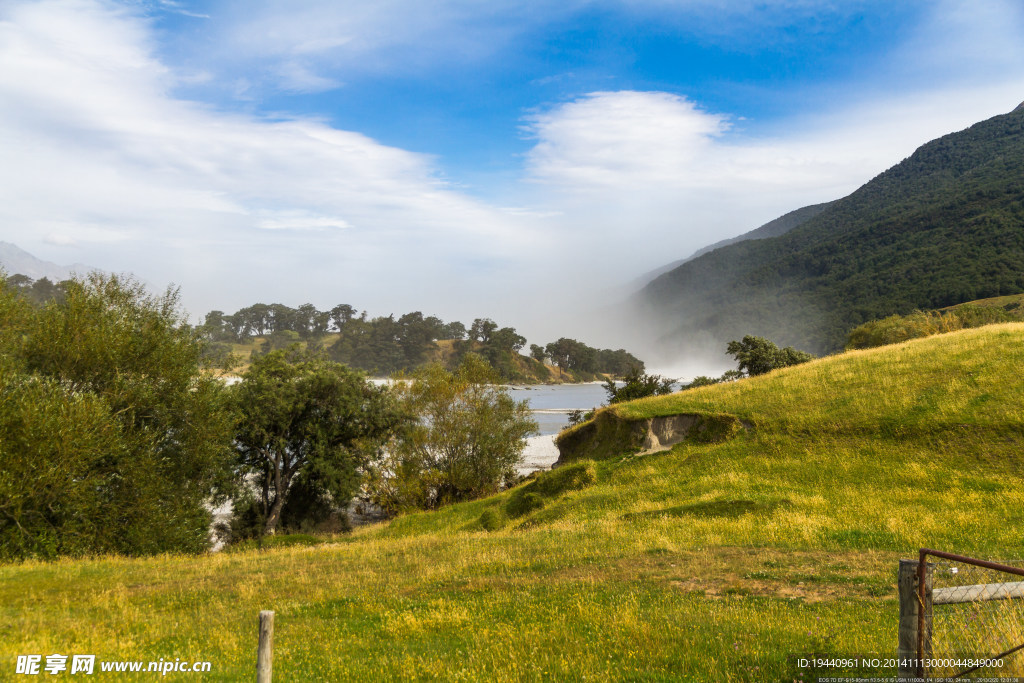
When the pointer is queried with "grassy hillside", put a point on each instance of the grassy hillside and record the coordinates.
(713, 562)
(1012, 302)
(940, 228)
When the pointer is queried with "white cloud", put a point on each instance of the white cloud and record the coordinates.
(98, 153)
(300, 220)
(653, 169)
(296, 77)
(609, 140)
(103, 160)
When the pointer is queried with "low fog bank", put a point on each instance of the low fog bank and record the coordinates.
(665, 344)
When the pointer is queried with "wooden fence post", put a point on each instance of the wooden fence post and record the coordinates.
(909, 619)
(265, 653)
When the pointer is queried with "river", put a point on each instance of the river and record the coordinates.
(551, 404)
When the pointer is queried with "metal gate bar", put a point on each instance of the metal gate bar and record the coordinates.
(983, 592)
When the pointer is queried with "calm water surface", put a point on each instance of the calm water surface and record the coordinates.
(551, 403)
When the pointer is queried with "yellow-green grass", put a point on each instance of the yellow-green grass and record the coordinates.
(715, 562)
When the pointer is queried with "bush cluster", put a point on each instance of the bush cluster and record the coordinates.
(111, 439)
(900, 328)
(548, 485)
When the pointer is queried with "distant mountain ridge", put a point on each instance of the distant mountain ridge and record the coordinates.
(773, 228)
(15, 260)
(944, 226)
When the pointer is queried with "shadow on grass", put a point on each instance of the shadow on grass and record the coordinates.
(710, 510)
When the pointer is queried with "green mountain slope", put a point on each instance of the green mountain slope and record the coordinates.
(706, 562)
(773, 228)
(944, 226)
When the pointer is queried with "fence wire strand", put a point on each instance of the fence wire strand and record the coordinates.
(977, 612)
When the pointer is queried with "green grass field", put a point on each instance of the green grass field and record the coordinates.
(715, 562)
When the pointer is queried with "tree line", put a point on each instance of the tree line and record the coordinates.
(381, 345)
(387, 344)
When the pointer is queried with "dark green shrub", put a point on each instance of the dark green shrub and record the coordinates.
(492, 520)
(523, 502)
(637, 385)
(757, 355)
(571, 477)
(532, 497)
(917, 324)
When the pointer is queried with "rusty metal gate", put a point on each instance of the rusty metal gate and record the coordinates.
(969, 617)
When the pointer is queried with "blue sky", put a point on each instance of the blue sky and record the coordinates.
(502, 159)
(463, 98)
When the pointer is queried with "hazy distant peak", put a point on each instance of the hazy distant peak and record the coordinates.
(1020, 107)
(14, 260)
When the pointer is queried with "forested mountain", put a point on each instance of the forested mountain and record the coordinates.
(942, 227)
(773, 228)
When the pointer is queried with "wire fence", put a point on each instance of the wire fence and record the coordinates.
(973, 617)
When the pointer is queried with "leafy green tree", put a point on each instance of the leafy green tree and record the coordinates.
(572, 355)
(466, 442)
(561, 352)
(538, 353)
(59, 494)
(618, 362)
(217, 327)
(19, 281)
(112, 439)
(453, 330)
(637, 385)
(757, 355)
(340, 315)
(254, 320)
(310, 322)
(279, 339)
(37, 291)
(415, 336)
(310, 419)
(434, 327)
(482, 329)
(507, 339)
